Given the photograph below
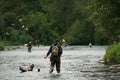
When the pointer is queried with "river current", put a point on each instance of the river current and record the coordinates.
(74, 60)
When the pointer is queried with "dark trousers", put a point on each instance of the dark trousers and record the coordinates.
(55, 60)
(29, 49)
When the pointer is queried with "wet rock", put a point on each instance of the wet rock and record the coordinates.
(26, 68)
(38, 70)
(117, 65)
(102, 61)
(112, 68)
(96, 70)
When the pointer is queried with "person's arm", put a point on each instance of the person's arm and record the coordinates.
(50, 50)
(60, 51)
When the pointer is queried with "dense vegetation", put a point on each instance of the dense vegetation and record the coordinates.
(112, 55)
(1, 46)
(78, 21)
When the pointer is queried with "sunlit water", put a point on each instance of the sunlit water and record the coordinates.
(73, 60)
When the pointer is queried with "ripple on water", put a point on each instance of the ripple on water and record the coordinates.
(74, 59)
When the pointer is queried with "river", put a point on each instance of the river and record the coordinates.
(73, 61)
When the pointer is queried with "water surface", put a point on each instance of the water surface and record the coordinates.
(73, 60)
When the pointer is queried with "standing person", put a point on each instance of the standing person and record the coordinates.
(38, 43)
(64, 43)
(90, 44)
(56, 52)
(29, 45)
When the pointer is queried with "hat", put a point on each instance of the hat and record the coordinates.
(57, 40)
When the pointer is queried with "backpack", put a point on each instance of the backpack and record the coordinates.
(55, 50)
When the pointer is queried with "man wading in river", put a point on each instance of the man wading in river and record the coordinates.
(29, 45)
(56, 52)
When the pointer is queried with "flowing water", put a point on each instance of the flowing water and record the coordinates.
(73, 60)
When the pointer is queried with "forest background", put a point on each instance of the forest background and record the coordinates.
(77, 21)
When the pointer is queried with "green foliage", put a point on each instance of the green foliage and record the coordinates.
(1, 46)
(78, 21)
(98, 39)
(24, 38)
(42, 27)
(113, 54)
(104, 14)
(80, 32)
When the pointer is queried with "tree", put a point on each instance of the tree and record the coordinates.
(105, 14)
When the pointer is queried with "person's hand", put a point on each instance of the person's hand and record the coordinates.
(45, 57)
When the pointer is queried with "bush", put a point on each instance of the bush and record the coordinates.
(112, 55)
(1, 46)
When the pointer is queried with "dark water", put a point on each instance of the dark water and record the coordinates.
(73, 60)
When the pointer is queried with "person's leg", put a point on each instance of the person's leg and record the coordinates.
(29, 49)
(51, 68)
(58, 63)
(52, 64)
